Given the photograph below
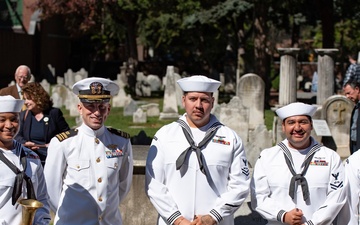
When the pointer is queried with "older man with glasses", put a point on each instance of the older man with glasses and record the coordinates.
(22, 77)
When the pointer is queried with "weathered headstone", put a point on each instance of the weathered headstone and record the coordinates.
(170, 107)
(71, 103)
(234, 116)
(59, 94)
(45, 85)
(251, 91)
(69, 78)
(259, 139)
(139, 116)
(154, 82)
(130, 108)
(337, 113)
(151, 109)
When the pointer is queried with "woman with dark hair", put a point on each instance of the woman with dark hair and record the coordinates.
(41, 121)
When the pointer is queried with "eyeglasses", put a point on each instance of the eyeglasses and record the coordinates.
(22, 77)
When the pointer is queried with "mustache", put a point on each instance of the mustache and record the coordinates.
(301, 132)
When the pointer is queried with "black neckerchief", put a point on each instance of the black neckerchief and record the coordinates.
(299, 177)
(210, 133)
(20, 176)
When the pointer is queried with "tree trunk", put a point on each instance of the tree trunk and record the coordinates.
(326, 9)
(130, 21)
(262, 58)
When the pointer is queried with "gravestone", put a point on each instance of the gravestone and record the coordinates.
(178, 91)
(84, 74)
(251, 91)
(151, 109)
(59, 94)
(139, 116)
(154, 82)
(45, 85)
(337, 113)
(71, 103)
(59, 80)
(130, 108)
(78, 77)
(142, 87)
(121, 99)
(51, 69)
(57, 102)
(170, 107)
(69, 78)
(259, 139)
(234, 116)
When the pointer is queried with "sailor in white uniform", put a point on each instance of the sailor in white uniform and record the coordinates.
(196, 169)
(21, 171)
(298, 181)
(89, 169)
(350, 213)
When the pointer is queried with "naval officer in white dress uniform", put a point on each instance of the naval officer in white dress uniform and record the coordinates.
(196, 170)
(89, 169)
(298, 181)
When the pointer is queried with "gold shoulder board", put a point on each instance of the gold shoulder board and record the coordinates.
(119, 132)
(64, 135)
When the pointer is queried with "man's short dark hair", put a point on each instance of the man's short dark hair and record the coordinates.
(352, 83)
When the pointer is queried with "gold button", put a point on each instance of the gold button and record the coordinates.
(96, 140)
(115, 165)
(77, 166)
(100, 180)
(98, 160)
(100, 218)
(100, 199)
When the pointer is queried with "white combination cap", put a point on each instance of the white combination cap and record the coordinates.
(296, 109)
(10, 104)
(95, 89)
(198, 83)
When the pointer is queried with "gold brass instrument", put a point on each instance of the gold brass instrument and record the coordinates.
(29, 207)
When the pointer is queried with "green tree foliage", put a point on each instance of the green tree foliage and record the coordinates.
(198, 32)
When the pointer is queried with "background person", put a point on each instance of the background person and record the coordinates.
(40, 122)
(14, 187)
(88, 170)
(196, 169)
(351, 90)
(298, 181)
(22, 77)
(353, 71)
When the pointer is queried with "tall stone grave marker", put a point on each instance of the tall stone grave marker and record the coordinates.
(170, 108)
(337, 113)
(45, 84)
(251, 91)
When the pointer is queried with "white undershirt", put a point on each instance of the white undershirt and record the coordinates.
(298, 157)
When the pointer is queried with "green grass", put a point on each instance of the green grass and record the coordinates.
(117, 120)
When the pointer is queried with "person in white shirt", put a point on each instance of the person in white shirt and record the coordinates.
(89, 169)
(196, 169)
(21, 171)
(350, 213)
(298, 181)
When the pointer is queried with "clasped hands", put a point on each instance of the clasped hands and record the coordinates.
(293, 217)
(34, 146)
(198, 220)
